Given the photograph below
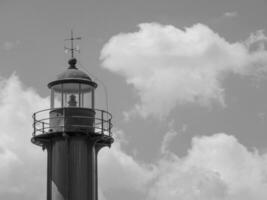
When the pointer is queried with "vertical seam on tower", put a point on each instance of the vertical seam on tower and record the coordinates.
(68, 168)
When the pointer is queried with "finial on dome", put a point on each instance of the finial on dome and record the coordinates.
(72, 63)
(72, 49)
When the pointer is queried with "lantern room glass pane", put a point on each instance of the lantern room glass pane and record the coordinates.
(87, 100)
(56, 98)
(86, 88)
(70, 92)
(86, 95)
(72, 95)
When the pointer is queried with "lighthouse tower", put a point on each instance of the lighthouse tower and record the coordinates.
(72, 131)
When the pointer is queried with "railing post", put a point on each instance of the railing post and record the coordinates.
(64, 120)
(102, 122)
(34, 124)
(43, 127)
(109, 126)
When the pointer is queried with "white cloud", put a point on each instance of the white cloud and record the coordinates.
(216, 167)
(256, 41)
(8, 45)
(230, 14)
(22, 165)
(114, 163)
(169, 66)
(169, 136)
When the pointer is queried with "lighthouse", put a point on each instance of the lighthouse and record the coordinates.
(72, 131)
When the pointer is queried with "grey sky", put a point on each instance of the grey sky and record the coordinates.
(32, 46)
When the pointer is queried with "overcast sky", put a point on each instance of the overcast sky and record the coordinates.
(186, 83)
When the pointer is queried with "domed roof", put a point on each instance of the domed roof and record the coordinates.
(72, 72)
(73, 75)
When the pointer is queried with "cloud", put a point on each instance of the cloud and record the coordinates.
(256, 41)
(22, 166)
(8, 45)
(133, 175)
(169, 66)
(169, 136)
(230, 14)
(215, 167)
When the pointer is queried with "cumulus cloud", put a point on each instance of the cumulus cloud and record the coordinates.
(256, 41)
(169, 136)
(22, 165)
(169, 66)
(215, 167)
(133, 175)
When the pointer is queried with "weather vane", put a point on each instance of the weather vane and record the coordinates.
(72, 49)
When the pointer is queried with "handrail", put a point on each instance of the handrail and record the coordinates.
(50, 109)
(99, 122)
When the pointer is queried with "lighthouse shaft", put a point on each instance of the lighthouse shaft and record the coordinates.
(72, 131)
(72, 169)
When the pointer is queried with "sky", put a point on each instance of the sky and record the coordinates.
(184, 80)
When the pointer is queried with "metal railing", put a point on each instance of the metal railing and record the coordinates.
(99, 122)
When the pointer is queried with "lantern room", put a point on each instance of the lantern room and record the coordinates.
(72, 101)
(72, 108)
(73, 88)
